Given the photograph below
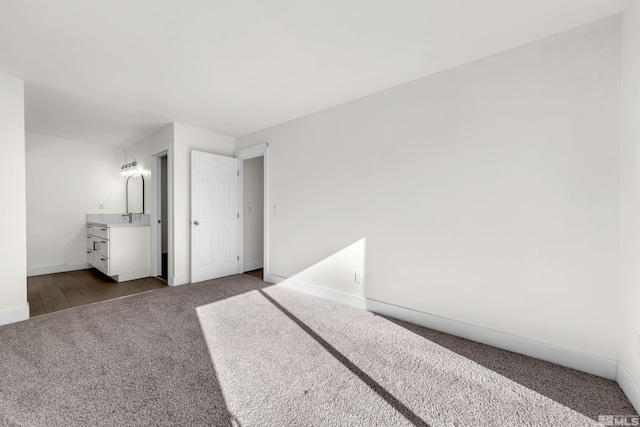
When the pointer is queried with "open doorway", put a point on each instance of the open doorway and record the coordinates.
(254, 216)
(161, 216)
(163, 219)
(256, 158)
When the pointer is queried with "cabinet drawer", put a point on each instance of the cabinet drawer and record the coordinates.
(103, 233)
(96, 244)
(94, 230)
(102, 264)
(104, 248)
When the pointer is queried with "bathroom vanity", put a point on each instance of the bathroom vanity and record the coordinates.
(118, 248)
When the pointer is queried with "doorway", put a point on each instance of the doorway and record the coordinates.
(254, 216)
(253, 213)
(163, 220)
(259, 152)
(161, 244)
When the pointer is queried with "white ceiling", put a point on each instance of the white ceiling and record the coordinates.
(113, 71)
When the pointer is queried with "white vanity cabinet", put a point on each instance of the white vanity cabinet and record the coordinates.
(120, 251)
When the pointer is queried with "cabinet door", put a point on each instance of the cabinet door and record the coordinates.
(128, 250)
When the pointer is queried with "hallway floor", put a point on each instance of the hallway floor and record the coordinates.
(54, 292)
(255, 273)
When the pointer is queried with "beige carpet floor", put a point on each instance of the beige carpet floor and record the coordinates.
(235, 351)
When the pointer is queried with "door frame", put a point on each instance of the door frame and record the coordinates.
(156, 188)
(258, 150)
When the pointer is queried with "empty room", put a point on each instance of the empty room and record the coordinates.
(320, 213)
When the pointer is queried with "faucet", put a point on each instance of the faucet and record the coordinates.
(130, 215)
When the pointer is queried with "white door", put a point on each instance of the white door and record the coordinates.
(214, 216)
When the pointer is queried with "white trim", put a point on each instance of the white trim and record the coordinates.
(52, 269)
(251, 152)
(318, 291)
(13, 315)
(590, 363)
(630, 388)
(272, 278)
(179, 280)
(155, 255)
(265, 214)
(170, 209)
(253, 265)
(241, 216)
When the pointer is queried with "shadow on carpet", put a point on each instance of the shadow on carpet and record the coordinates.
(587, 394)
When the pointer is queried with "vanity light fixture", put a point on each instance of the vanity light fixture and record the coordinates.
(130, 169)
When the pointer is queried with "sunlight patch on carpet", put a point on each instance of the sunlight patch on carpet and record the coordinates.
(273, 372)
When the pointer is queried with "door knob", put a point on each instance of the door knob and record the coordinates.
(196, 223)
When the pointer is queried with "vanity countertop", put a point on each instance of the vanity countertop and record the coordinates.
(119, 224)
(118, 220)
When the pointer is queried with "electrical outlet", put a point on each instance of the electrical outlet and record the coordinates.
(358, 277)
(101, 206)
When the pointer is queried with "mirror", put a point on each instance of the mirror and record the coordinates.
(135, 194)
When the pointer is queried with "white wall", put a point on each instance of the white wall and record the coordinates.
(627, 308)
(66, 180)
(189, 138)
(13, 227)
(253, 213)
(487, 193)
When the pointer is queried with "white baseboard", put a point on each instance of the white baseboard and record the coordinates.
(179, 280)
(330, 294)
(52, 269)
(593, 364)
(253, 265)
(13, 315)
(272, 278)
(630, 388)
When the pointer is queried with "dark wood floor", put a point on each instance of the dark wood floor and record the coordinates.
(53, 292)
(255, 273)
